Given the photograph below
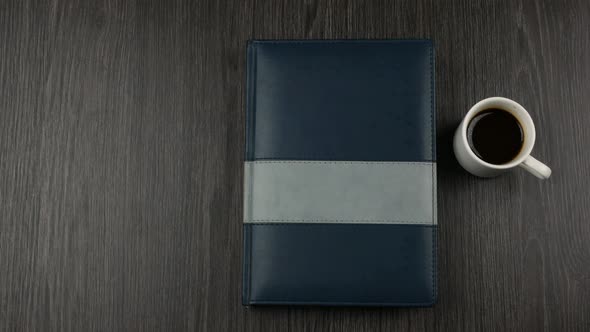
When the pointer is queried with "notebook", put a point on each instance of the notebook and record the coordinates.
(340, 174)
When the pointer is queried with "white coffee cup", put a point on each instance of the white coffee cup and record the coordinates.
(475, 165)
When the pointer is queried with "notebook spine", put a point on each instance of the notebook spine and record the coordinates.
(246, 267)
(250, 100)
(249, 155)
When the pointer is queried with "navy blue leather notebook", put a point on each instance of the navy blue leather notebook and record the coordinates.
(340, 174)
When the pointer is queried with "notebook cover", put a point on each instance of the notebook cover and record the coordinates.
(340, 174)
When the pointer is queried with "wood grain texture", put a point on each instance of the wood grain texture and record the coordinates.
(121, 144)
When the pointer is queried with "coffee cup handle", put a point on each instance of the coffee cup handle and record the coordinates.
(536, 167)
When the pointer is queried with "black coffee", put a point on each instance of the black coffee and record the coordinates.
(495, 136)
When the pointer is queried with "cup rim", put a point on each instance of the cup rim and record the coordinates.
(528, 127)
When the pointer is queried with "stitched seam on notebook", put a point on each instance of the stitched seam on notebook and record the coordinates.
(318, 224)
(252, 138)
(434, 244)
(424, 163)
(339, 41)
(431, 105)
(340, 303)
(331, 159)
(337, 221)
(433, 257)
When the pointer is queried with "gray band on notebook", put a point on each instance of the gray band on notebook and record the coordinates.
(285, 191)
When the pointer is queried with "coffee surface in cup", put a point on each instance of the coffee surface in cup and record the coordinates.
(495, 136)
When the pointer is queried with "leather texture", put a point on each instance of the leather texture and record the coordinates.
(344, 264)
(340, 100)
(315, 111)
(339, 192)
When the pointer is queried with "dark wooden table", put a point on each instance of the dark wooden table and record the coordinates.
(121, 145)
